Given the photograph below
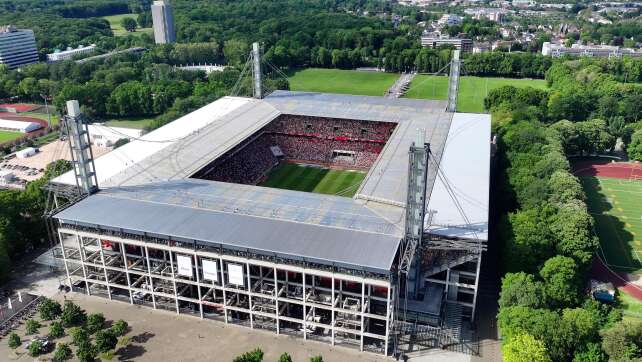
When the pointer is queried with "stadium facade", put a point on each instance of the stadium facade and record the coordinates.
(168, 231)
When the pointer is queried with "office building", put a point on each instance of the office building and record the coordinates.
(17, 47)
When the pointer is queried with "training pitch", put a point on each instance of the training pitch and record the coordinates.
(472, 90)
(617, 210)
(342, 81)
(312, 178)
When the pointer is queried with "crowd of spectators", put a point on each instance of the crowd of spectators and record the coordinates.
(330, 142)
(331, 128)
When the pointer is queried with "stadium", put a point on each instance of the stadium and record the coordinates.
(358, 221)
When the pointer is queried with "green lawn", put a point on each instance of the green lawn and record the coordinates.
(6, 136)
(114, 23)
(631, 307)
(43, 116)
(133, 122)
(472, 90)
(342, 81)
(320, 180)
(617, 210)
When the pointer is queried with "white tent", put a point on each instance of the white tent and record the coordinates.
(18, 126)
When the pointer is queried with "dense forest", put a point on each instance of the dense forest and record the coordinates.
(546, 230)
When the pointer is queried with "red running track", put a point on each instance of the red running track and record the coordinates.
(21, 107)
(601, 271)
(621, 170)
(606, 168)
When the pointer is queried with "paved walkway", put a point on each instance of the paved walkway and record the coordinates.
(400, 86)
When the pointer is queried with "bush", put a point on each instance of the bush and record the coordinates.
(86, 352)
(316, 359)
(105, 340)
(120, 327)
(72, 315)
(35, 348)
(14, 341)
(79, 335)
(56, 330)
(49, 309)
(285, 357)
(95, 322)
(32, 326)
(252, 356)
(63, 352)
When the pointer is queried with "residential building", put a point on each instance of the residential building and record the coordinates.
(449, 19)
(58, 55)
(17, 47)
(163, 20)
(465, 45)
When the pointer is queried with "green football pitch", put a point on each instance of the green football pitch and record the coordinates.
(472, 90)
(316, 179)
(617, 210)
(342, 81)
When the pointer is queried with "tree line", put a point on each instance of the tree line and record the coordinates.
(546, 229)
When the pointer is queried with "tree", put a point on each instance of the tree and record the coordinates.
(62, 353)
(32, 326)
(524, 347)
(592, 352)
(635, 147)
(49, 309)
(72, 315)
(236, 51)
(129, 24)
(56, 330)
(119, 327)
(14, 341)
(252, 356)
(95, 322)
(105, 340)
(285, 357)
(561, 281)
(521, 289)
(35, 348)
(623, 341)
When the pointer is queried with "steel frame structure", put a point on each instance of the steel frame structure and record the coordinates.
(336, 308)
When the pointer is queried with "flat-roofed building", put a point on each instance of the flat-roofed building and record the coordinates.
(465, 45)
(58, 56)
(17, 47)
(557, 50)
(163, 20)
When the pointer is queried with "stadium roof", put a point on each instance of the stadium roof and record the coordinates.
(145, 184)
(323, 229)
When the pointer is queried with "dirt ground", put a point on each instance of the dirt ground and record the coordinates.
(56, 150)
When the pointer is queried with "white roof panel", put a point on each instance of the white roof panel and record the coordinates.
(134, 152)
(465, 171)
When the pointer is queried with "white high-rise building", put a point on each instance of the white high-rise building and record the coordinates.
(163, 19)
(17, 47)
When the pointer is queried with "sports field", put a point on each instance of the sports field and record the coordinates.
(472, 90)
(130, 122)
(342, 81)
(616, 207)
(117, 28)
(316, 179)
(6, 136)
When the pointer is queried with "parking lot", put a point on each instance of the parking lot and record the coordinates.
(32, 168)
